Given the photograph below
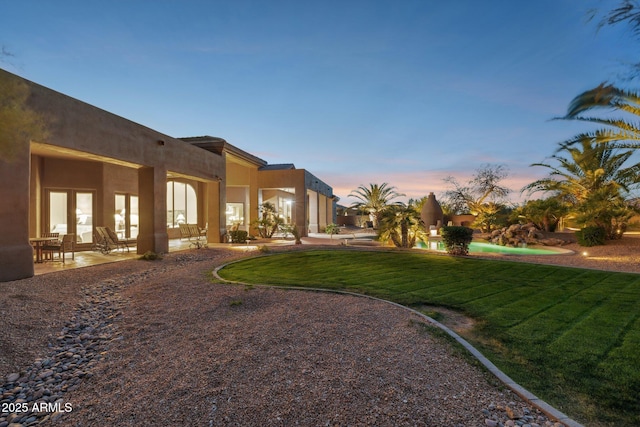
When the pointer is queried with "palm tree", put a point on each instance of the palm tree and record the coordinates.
(402, 225)
(374, 199)
(593, 180)
(620, 132)
(547, 214)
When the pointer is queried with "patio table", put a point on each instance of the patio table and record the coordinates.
(38, 243)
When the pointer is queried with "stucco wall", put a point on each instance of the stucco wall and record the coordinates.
(83, 134)
(80, 126)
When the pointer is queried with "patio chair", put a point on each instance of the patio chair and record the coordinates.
(203, 231)
(100, 243)
(107, 240)
(67, 244)
(105, 243)
(119, 243)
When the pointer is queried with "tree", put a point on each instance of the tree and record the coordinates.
(545, 214)
(402, 225)
(270, 222)
(619, 132)
(19, 124)
(594, 181)
(483, 196)
(374, 199)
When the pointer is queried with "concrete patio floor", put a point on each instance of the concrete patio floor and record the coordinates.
(88, 258)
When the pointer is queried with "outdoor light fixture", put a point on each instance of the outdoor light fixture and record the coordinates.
(585, 253)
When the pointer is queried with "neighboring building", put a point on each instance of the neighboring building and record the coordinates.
(299, 197)
(96, 168)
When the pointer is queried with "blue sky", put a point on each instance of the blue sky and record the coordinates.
(357, 92)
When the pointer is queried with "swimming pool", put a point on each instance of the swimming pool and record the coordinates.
(481, 247)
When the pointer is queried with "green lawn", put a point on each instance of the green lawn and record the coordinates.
(569, 335)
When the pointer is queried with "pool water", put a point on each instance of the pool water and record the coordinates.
(480, 247)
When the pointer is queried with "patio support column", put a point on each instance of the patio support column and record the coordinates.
(215, 212)
(300, 209)
(152, 200)
(16, 254)
(322, 212)
(313, 212)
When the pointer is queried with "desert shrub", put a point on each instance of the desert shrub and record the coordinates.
(591, 236)
(332, 229)
(296, 234)
(238, 236)
(150, 256)
(269, 222)
(456, 239)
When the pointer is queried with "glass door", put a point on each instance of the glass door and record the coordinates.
(58, 212)
(126, 216)
(70, 211)
(84, 217)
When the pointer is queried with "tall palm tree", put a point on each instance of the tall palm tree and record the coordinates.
(593, 180)
(621, 132)
(374, 199)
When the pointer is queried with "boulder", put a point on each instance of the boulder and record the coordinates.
(517, 235)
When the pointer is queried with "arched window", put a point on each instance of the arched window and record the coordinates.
(182, 204)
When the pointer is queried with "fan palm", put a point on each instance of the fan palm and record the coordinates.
(374, 199)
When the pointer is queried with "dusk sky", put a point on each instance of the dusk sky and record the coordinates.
(356, 92)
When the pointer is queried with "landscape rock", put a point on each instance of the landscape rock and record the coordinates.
(518, 235)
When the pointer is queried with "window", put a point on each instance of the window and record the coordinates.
(126, 215)
(235, 214)
(182, 204)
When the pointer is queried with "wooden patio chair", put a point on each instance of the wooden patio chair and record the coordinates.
(67, 244)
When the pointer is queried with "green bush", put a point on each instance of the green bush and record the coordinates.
(456, 239)
(150, 256)
(332, 229)
(296, 234)
(264, 249)
(238, 236)
(591, 236)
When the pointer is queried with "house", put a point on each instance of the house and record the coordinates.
(299, 197)
(94, 168)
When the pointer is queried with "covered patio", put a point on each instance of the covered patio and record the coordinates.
(93, 168)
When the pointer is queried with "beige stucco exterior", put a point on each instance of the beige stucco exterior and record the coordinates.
(89, 150)
(116, 164)
(250, 181)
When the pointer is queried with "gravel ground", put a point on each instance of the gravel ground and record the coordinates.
(166, 347)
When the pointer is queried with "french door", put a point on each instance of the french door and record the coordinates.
(70, 211)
